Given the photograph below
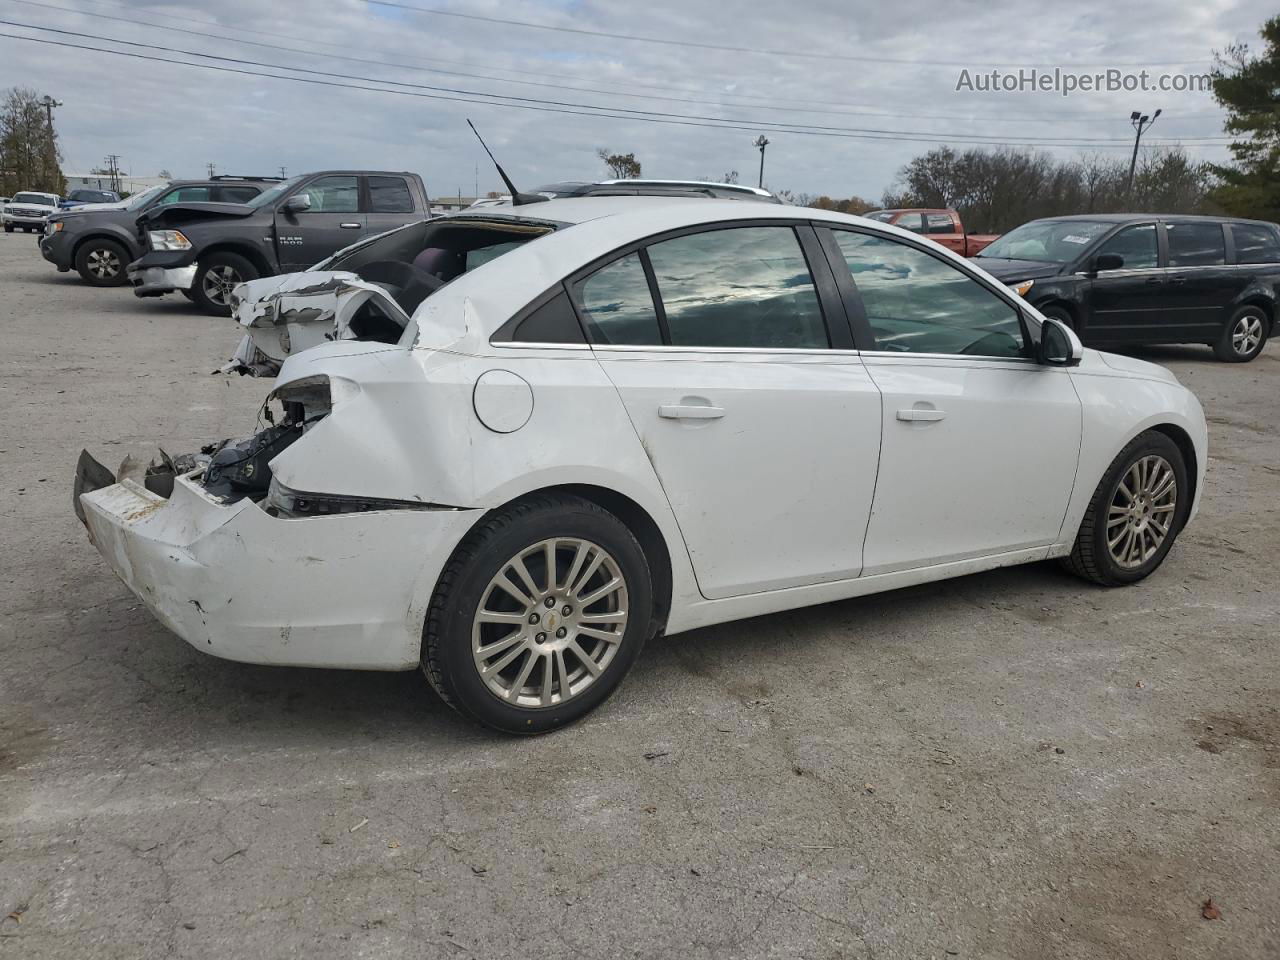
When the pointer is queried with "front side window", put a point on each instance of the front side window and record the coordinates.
(738, 287)
(1195, 244)
(389, 195)
(617, 305)
(1135, 245)
(1255, 243)
(333, 195)
(918, 303)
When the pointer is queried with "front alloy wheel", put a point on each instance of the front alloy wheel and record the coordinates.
(1141, 513)
(101, 263)
(216, 277)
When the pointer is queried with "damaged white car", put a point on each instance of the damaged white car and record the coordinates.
(644, 415)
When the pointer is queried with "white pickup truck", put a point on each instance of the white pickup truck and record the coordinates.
(29, 210)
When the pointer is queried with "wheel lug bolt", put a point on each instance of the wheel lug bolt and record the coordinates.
(541, 638)
(550, 601)
(567, 610)
(534, 618)
(562, 633)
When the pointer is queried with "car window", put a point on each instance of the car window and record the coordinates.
(918, 303)
(236, 194)
(940, 223)
(389, 195)
(43, 199)
(1255, 243)
(738, 287)
(1135, 245)
(1054, 241)
(880, 216)
(617, 305)
(184, 195)
(911, 221)
(333, 195)
(1194, 244)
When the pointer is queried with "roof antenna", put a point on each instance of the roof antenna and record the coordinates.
(517, 198)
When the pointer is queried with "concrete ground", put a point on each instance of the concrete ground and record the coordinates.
(1009, 765)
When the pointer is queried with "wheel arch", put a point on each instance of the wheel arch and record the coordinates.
(1182, 440)
(1263, 303)
(100, 235)
(248, 251)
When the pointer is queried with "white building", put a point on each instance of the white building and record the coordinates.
(101, 181)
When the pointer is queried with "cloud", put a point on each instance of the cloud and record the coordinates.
(179, 118)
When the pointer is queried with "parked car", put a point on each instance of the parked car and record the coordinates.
(940, 226)
(78, 198)
(29, 210)
(208, 249)
(100, 241)
(1124, 279)
(654, 415)
(635, 187)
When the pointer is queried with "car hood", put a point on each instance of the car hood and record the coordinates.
(91, 207)
(177, 213)
(1012, 271)
(1110, 364)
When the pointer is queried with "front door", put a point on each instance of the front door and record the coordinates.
(765, 440)
(1125, 303)
(334, 220)
(980, 443)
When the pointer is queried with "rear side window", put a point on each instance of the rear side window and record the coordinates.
(940, 223)
(617, 305)
(552, 322)
(738, 287)
(1255, 243)
(1195, 244)
(389, 195)
(911, 221)
(236, 194)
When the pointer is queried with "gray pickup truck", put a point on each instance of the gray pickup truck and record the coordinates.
(205, 249)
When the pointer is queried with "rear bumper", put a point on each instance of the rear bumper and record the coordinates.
(346, 591)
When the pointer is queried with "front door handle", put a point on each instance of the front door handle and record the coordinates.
(1154, 280)
(689, 411)
(349, 226)
(919, 416)
(1178, 281)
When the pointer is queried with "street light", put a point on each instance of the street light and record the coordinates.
(761, 141)
(52, 159)
(1140, 122)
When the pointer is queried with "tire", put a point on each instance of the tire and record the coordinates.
(189, 295)
(586, 533)
(1244, 335)
(8, 228)
(216, 275)
(1061, 314)
(102, 262)
(1094, 556)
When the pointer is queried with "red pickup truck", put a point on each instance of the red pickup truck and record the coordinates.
(940, 226)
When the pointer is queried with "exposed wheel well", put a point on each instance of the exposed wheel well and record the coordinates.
(1185, 447)
(249, 253)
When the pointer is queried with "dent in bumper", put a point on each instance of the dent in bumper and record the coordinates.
(148, 281)
(338, 591)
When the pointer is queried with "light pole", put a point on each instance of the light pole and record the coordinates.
(761, 142)
(1140, 122)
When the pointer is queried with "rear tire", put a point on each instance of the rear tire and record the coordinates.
(1135, 515)
(101, 263)
(1244, 335)
(528, 664)
(216, 276)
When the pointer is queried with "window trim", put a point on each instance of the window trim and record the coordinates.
(863, 325)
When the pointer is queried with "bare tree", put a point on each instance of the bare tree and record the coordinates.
(29, 153)
(622, 166)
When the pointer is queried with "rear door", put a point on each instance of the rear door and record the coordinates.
(1126, 303)
(941, 228)
(764, 437)
(1201, 286)
(390, 203)
(334, 220)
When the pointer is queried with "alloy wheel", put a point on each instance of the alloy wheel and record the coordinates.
(1246, 334)
(218, 283)
(103, 264)
(550, 622)
(1142, 510)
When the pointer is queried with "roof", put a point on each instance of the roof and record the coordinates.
(1132, 217)
(581, 209)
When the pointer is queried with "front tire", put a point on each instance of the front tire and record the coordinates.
(1135, 515)
(101, 263)
(8, 228)
(1244, 336)
(1055, 312)
(524, 652)
(216, 276)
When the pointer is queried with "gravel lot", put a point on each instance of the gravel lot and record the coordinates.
(1009, 765)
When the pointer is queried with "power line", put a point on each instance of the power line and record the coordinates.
(636, 113)
(800, 54)
(542, 107)
(720, 100)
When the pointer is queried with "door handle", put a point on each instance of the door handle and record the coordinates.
(349, 226)
(1178, 281)
(689, 411)
(1155, 280)
(919, 416)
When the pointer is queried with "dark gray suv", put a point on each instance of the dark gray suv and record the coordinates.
(99, 243)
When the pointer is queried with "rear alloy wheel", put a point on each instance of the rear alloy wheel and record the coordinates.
(217, 275)
(1243, 337)
(101, 263)
(538, 615)
(1135, 515)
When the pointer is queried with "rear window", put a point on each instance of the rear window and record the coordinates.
(1196, 244)
(1255, 243)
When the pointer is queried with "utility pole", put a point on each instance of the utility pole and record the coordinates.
(113, 170)
(283, 174)
(1140, 122)
(211, 167)
(52, 157)
(761, 142)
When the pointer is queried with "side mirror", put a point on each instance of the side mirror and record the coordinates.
(298, 203)
(1059, 346)
(1107, 261)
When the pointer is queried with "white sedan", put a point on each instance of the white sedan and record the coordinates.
(560, 428)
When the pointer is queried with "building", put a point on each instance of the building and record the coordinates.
(102, 181)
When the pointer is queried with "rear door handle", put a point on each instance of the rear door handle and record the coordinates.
(1177, 281)
(689, 411)
(918, 416)
(349, 226)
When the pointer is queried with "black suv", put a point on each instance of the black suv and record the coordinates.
(100, 243)
(206, 249)
(1148, 278)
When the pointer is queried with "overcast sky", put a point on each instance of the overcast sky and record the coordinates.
(852, 67)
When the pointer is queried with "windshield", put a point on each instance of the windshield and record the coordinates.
(44, 199)
(1053, 241)
(138, 199)
(93, 196)
(268, 197)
